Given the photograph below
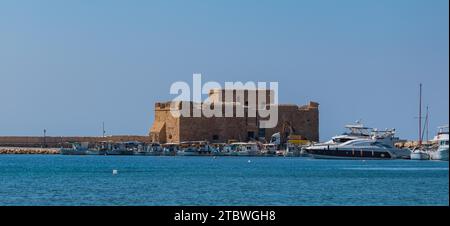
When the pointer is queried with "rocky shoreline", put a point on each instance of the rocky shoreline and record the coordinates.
(22, 150)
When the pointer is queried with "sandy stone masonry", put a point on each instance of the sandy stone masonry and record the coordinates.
(292, 120)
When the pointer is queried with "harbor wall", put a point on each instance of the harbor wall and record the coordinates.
(27, 150)
(61, 141)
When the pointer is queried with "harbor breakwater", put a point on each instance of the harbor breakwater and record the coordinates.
(25, 150)
(61, 141)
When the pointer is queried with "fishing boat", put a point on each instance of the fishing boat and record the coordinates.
(170, 149)
(99, 149)
(77, 149)
(153, 149)
(293, 150)
(419, 154)
(244, 149)
(269, 149)
(122, 148)
(138, 149)
(188, 149)
(219, 149)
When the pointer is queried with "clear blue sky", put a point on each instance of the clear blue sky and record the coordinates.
(69, 65)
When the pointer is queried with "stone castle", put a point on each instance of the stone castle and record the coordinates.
(292, 120)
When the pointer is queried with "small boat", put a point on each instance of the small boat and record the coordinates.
(194, 148)
(419, 155)
(153, 149)
(122, 148)
(244, 149)
(138, 148)
(77, 149)
(219, 149)
(280, 153)
(99, 149)
(269, 149)
(187, 149)
(293, 150)
(170, 149)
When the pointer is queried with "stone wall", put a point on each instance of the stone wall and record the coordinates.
(56, 142)
(292, 119)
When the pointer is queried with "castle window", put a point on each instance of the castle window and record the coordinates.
(250, 135)
(261, 132)
(215, 137)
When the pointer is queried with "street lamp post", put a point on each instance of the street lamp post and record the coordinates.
(45, 143)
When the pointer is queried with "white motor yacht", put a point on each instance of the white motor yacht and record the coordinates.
(442, 151)
(379, 145)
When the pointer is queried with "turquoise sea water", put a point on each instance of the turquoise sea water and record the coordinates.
(88, 180)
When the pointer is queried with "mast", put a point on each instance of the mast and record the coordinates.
(104, 129)
(420, 114)
(425, 127)
(428, 123)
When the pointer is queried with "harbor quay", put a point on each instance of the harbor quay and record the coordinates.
(28, 150)
(63, 141)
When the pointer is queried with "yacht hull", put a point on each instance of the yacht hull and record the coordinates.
(420, 156)
(440, 155)
(348, 154)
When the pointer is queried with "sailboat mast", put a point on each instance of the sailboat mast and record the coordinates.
(420, 114)
(428, 123)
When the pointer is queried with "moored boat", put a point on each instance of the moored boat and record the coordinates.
(419, 155)
(153, 149)
(122, 148)
(379, 145)
(244, 149)
(443, 141)
(77, 149)
(170, 149)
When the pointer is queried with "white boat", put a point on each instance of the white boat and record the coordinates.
(194, 148)
(379, 145)
(170, 149)
(354, 131)
(442, 151)
(294, 151)
(244, 149)
(153, 149)
(99, 149)
(122, 148)
(77, 149)
(220, 149)
(419, 155)
(269, 149)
